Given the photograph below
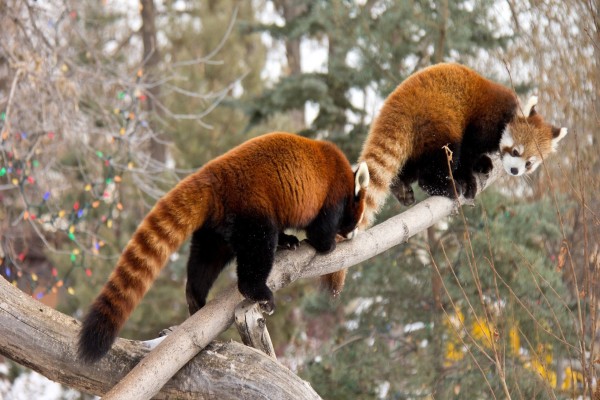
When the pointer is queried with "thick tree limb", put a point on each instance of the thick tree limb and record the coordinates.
(147, 378)
(45, 340)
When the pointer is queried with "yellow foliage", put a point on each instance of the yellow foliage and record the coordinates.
(542, 369)
(572, 377)
(483, 332)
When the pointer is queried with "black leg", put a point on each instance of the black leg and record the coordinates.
(434, 176)
(255, 242)
(209, 253)
(463, 175)
(403, 192)
(322, 230)
(466, 183)
(484, 165)
(401, 185)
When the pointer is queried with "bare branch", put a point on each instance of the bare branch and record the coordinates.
(44, 339)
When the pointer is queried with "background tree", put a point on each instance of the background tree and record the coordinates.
(76, 175)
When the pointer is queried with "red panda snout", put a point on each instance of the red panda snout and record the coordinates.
(520, 157)
(516, 165)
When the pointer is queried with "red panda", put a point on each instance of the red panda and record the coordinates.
(235, 206)
(448, 105)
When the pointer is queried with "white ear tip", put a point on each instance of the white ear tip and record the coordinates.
(363, 172)
(533, 100)
(563, 132)
(362, 178)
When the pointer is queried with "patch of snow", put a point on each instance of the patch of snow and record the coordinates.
(31, 385)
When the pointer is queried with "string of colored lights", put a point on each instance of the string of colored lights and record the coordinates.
(55, 212)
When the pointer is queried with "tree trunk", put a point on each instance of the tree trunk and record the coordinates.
(150, 61)
(440, 46)
(290, 10)
(45, 340)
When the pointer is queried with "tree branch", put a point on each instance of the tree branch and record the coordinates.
(252, 327)
(147, 378)
(45, 340)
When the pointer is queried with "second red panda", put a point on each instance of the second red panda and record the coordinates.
(235, 206)
(449, 105)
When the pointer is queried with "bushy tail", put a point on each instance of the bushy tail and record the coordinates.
(386, 150)
(169, 223)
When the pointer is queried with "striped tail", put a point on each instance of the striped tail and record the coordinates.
(174, 217)
(385, 152)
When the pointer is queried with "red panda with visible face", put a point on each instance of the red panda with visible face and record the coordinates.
(236, 206)
(448, 105)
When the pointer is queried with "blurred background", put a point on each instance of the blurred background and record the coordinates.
(105, 105)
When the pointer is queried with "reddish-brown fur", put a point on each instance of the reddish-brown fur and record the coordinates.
(281, 178)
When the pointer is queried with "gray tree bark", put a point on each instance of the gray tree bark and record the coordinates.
(44, 340)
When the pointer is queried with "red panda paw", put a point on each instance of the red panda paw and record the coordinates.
(288, 242)
(259, 294)
(267, 307)
(484, 165)
(323, 246)
(468, 187)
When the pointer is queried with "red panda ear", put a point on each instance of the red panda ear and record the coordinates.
(558, 134)
(532, 112)
(529, 110)
(361, 178)
(555, 131)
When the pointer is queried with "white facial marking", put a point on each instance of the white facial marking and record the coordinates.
(534, 164)
(352, 234)
(506, 140)
(514, 166)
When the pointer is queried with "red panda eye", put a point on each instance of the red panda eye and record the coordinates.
(528, 164)
(515, 153)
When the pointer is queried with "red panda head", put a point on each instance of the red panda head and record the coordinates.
(355, 210)
(528, 140)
